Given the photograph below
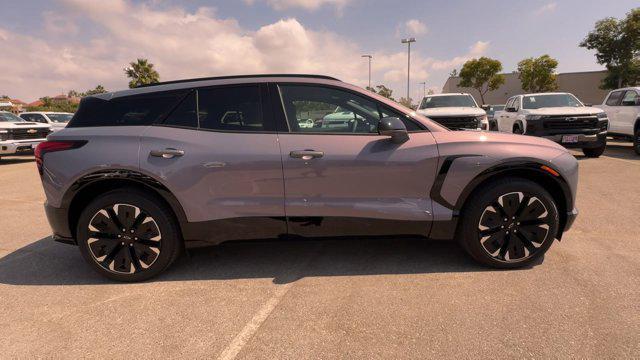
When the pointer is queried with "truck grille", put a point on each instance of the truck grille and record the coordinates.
(27, 134)
(457, 122)
(570, 122)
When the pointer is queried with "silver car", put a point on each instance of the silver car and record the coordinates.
(139, 174)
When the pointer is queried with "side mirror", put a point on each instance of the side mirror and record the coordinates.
(587, 104)
(393, 127)
(510, 109)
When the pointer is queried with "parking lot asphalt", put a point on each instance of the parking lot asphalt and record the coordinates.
(331, 299)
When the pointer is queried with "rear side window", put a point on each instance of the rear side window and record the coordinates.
(235, 108)
(614, 98)
(137, 110)
(185, 114)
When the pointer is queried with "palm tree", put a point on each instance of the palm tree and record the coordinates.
(141, 72)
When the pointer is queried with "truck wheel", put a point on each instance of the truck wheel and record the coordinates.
(595, 152)
(517, 129)
(128, 235)
(509, 224)
(636, 141)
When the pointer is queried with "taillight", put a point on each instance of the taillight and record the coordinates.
(53, 146)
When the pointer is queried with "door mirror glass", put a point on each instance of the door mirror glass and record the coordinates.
(510, 109)
(393, 127)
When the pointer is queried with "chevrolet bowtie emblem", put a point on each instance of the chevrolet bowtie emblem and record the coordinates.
(572, 118)
(32, 131)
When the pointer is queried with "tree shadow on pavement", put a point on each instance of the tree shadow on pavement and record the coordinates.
(46, 262)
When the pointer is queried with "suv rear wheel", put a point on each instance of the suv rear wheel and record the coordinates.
(510, 224)
(128, 235)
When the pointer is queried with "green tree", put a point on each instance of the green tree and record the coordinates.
(98, 90)
(384, 91)
(453, 73)
(617, 46)
(73, 93)
(407, 102)
(141, 72)
(481, 74)
(538, 74)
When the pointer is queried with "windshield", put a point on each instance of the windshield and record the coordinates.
(60, 118)
(551, 100)
(5, 116)
(491, 109)
(447, 101)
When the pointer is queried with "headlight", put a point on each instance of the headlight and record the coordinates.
(602, 115)
(532, 117)
(4, 135)
(483, 122)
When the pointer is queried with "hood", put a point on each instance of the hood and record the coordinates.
(452, 111)
(566, 110)
(502, 141)
(22, 125)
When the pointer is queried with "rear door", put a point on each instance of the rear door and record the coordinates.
(345, 179)
(613, 111)
(218, 153)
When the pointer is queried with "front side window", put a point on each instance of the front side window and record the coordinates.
(630, 98)
(236, 108)
(440, 101)
(317, 109)
(614, 98)
(550, 100)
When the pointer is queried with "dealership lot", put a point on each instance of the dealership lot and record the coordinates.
(326, 299)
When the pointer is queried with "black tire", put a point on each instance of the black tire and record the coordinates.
(493, 125)
(595, 152)
(636, 140)
(517, 129)
(141, 243)
(493, 229)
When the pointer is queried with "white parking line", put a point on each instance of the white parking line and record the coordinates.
(234, 348)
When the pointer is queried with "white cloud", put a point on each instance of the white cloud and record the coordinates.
(547, 8)
(185, 44)
(411, 27)
(309, 5)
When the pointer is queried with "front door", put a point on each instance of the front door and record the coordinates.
(341, 177)
(218, 154)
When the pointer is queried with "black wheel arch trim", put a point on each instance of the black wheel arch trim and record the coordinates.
(128, 176)
(447, 229)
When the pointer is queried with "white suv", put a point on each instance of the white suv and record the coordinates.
(559, 117)
(623, 109)
(18, 136)
(57, 120)
(457, 111)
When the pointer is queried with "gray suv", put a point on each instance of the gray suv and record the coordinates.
(140, 174)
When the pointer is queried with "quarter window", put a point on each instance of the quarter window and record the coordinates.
(185, 114)
(614, 98)
(234, 108)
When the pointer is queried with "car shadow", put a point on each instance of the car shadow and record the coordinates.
(621, 151)
(46, 262)
(17, 160)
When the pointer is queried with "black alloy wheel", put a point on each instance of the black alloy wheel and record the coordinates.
(124, 239)
(513, 227)
(128, 235)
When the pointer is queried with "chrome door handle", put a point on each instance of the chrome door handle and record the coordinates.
(306, 154)
(168, 153)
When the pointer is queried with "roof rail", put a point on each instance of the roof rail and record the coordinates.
(240, 77)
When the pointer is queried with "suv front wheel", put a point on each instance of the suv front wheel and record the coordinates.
(510, 224)
(128, 235)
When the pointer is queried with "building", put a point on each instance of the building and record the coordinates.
(585, 85)
(13, 105)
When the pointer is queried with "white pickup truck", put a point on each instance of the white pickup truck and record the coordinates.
(623, 109)
(18, 136)
(457, 111)
(559, 117)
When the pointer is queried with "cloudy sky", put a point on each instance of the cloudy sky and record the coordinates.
(50, 47)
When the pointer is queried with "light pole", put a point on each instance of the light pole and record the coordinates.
(424, 88)
(408, 41)
(369, 57)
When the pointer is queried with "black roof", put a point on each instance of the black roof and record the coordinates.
(240, 77)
